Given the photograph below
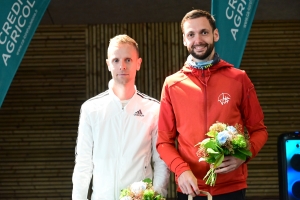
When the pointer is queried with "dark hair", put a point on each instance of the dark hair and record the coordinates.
(196, 14)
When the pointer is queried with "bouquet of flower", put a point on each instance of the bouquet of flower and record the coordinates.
(223, 140)
(142, 190)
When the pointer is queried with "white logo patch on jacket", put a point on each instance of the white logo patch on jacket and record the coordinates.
(224, 98)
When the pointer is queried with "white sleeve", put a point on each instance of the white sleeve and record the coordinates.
(83, 169)
(161, 172)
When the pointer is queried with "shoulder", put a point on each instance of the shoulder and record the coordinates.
(235, 74)
(175, 78)
(97, 100)
(147, 104)
(147, 98)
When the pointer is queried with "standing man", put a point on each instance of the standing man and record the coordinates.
(206, 90)
(117, 132)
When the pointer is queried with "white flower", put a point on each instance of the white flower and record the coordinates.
(232, 130)
(138, 187)
(126, 198)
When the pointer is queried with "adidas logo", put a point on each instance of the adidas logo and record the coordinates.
(139, 113)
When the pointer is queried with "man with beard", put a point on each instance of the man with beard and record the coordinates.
(117, 132)
(205, 91)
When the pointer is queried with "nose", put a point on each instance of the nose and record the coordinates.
(198, 37)
(122, 65)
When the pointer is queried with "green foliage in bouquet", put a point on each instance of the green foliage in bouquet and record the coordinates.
(223, 140)
(142, 190)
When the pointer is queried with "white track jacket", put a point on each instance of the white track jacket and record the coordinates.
(117, 146)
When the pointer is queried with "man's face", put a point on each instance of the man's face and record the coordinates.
(199, 38)
(123, 62)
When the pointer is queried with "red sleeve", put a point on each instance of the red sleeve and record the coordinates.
(253, 118)
(167, 134)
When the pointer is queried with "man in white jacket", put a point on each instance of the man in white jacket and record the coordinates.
(117, 132)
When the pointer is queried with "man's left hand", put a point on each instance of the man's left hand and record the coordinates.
(229, 164)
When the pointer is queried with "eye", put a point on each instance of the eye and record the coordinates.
(190, 35)
(128, 60)
(204, 32)
(116, 60)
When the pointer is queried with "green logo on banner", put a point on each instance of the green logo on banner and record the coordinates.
(18, 22)
(234, 20)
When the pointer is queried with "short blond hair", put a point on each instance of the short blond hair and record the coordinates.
(124, 39)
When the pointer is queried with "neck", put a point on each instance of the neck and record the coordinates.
(202, 64)
(123, 92)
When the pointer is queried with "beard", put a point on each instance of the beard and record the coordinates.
(210, 48)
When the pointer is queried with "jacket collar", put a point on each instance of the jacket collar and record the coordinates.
(215, 67)
(203, 75)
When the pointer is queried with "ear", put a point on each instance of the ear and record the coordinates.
(184, 42)
(216, 35)
(139, 62)
(108, 66)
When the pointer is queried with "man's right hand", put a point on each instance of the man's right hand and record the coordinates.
(188, 183)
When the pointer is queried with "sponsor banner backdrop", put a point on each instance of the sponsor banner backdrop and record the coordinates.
(18, 22)
(234, 20)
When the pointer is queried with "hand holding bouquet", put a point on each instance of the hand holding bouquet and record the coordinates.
(142, 190)
(223, 140)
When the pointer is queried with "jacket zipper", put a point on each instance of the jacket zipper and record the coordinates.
(205, 100)
(117, 189)
(205, 110)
